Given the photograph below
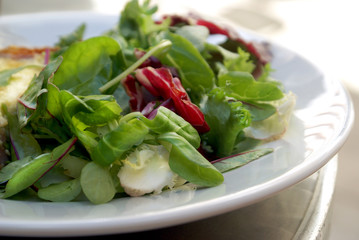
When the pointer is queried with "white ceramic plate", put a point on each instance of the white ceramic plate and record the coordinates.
(320, 126)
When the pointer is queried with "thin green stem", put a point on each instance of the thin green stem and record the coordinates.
(163, 46)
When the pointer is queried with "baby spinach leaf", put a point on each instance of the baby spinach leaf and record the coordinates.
(66, 40)
(53, 101)
(196, 75)
(239, 160)
(197, 35)
(89, 64)
(61, 192)
(188, 163)
(97, 184)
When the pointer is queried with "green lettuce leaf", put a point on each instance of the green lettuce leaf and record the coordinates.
(227, 119)
(243, 86)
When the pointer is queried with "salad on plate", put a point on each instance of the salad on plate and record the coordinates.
(154, 104)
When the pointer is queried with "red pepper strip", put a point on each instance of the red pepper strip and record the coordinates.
(162, 80)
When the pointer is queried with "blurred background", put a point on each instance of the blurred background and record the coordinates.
(323, 31)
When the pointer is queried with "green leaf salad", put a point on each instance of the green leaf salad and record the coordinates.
(147, 106)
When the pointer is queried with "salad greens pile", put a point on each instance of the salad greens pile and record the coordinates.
(147, 106)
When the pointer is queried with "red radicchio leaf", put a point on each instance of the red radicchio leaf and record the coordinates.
(171, 88)
(259, 51)
(133, 90)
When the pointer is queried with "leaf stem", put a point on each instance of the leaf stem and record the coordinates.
(163, 46)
